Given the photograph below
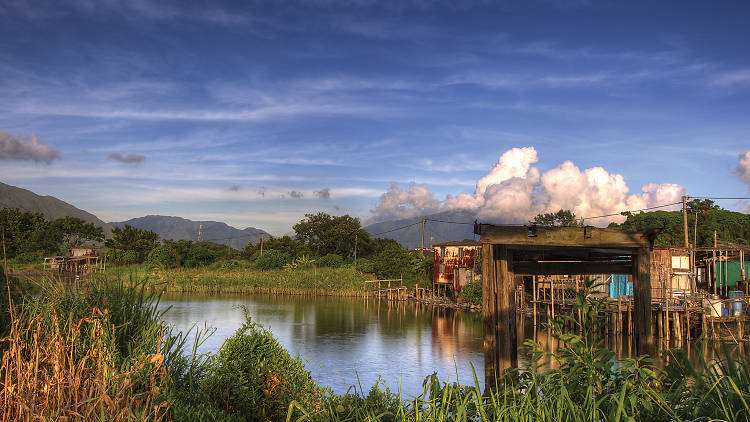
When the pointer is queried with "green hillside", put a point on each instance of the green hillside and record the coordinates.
(51, 207)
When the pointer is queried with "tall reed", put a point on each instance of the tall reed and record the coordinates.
(94, 353)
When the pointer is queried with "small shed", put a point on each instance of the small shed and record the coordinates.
(508, 251)
(456, 264)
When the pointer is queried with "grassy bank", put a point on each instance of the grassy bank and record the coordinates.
(102, 352)
(342, 281)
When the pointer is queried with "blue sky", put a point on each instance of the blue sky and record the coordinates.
(255, 113)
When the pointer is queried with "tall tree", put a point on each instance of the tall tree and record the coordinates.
(74, 232)
(130, 244)
(562, 218)
(325, 234)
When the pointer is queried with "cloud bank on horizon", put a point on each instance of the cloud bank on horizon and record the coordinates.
(514, 191)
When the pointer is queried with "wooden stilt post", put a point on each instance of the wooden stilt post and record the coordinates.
(489, 313)
(507, 334)
(552, 287)
(642, 308)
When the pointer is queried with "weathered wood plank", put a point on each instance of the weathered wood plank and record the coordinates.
(489, 314)
(561, 236)
(644, 340)
(570, 268)
(506, 328)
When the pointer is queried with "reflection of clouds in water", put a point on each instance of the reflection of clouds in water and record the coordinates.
(342, 339)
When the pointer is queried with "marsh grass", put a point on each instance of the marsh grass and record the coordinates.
(342, 281)
(95, 354)
(101, 352)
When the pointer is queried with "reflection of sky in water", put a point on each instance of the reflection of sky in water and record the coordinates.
(341, 339)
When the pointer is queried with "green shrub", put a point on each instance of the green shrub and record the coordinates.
(392, 262)
(331, 260)
(163, 256)
(28, 258)
(130, 257)
(365, 266)
(253, 376)
(472, 292)
(272, 259)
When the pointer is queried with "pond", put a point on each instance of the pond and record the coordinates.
(347, 342)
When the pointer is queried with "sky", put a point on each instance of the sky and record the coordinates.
(256, 113)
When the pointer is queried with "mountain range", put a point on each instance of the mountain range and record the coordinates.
(51, 207)
(178, 228)
(441, 227)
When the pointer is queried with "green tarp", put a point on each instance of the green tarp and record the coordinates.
(732, 271)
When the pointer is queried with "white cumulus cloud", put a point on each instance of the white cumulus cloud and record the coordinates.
(514, 191)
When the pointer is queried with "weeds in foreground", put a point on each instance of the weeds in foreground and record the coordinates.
(84, 356)
(101, 352)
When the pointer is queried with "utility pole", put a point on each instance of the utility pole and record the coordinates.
(355, 250)
(684, 219)
(261, 244)
(422, 239)
(200, 232)
(716, 277)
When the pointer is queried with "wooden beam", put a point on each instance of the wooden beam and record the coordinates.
(506, 305)
(644, 341)
(571, 268)
(561, 236)
(489, 314)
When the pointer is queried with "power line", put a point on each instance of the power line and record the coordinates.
(715, 197)
(642, 209)
(449, 222)
(399, 228)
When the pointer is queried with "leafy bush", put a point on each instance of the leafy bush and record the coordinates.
(392, 262)
(130, 257)
(331, 260)
(272, 259)
(163, 256)
(472, 292)
(28, 258)
(365, 266)
(253, 376)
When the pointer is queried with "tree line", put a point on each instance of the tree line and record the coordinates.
(320, 239)
(29, 236)
(704, 218)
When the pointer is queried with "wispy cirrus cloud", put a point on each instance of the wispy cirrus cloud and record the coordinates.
(208, 114)
(135, 9)
(735, 78)
(126, 159)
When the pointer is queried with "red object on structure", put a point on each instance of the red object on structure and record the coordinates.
(455, 263)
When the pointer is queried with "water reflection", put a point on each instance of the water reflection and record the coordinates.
(342, 339)
(345, 339)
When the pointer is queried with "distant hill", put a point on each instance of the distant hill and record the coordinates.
(51, 207)
(178, 228)
(443, 230)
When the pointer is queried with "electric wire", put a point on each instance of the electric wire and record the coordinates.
(398, 228)
(642, 209)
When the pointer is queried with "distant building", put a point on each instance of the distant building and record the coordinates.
(81, 260)
(456, 264)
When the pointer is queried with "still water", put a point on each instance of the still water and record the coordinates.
(343, 340)
(346, 342)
